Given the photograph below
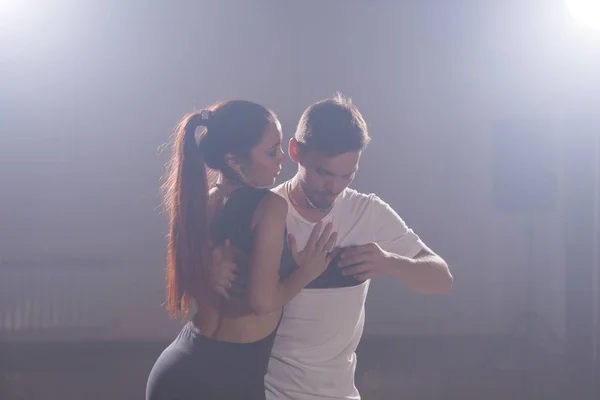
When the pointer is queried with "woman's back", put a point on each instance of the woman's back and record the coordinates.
(232, 321)
(224, 352)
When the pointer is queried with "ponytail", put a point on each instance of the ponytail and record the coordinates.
(234, 127)
(186, 190)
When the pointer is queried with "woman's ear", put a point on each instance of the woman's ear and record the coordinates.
(233, 162)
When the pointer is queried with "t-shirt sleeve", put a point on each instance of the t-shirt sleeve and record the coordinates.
(391, 232)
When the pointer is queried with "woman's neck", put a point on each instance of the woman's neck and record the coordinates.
(226, 186)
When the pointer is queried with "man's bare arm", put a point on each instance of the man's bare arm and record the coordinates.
(426, 273)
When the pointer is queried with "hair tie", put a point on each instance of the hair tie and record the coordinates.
(200, 118)
(205, 116)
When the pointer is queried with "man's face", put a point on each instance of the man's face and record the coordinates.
(324, 178)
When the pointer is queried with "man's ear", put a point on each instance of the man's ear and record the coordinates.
(233, 162)
(294, 150)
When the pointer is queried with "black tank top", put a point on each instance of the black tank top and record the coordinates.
(234, 222)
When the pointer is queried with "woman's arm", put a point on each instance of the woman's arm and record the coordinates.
(266, 292)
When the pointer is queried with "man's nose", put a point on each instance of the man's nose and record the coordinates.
(335, 185)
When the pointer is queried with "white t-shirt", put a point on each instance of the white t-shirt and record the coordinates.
(313, 356)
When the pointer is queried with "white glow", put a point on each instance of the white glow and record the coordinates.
(11, 11)
(18, 17)
(587, 12)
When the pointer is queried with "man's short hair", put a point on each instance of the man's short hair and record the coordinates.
(332, 127)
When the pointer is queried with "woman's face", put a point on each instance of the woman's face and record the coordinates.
(266, 158)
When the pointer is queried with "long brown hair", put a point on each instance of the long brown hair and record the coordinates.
(232, 127)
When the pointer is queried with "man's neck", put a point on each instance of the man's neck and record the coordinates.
(301, 204)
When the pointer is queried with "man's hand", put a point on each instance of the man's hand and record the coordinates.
(426, 273)
(225, 276)
(366, 261)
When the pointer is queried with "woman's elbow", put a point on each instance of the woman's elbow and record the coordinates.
(263, 306)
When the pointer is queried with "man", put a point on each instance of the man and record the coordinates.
(314, 352)
(313, 356)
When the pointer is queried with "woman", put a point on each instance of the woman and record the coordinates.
(223, 351)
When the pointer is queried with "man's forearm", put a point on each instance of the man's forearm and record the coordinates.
(427, 274)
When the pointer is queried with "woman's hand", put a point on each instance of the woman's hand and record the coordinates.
(316, 255)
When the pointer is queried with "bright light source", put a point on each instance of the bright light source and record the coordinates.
(14, 13)
(587, 12)
(9, 11)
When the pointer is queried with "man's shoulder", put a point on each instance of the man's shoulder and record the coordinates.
(279, 189)
(350, 197)
(353, 202)
(355, 197)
